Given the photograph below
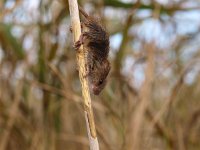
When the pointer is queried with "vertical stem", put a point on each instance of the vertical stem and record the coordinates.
(145, 96)
(11, 117)
(76, 28)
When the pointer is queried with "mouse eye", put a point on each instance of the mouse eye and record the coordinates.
(100, 82)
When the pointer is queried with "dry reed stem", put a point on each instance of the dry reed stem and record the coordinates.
(76, 28)
(162, 129)
(174, 92)
(12, 116)
(145, 96)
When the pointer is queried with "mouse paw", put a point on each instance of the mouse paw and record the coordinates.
(77, 45)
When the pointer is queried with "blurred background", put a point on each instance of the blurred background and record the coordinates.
(151, 101)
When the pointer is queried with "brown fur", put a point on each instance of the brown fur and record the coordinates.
(95, 40)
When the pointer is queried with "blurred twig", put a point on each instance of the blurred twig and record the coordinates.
(121, 52)
(192, 121)
(174, 92)
(145, 97)
(164, 9)
(162, 129)
(12, 116)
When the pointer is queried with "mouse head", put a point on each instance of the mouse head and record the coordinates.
(98, 76)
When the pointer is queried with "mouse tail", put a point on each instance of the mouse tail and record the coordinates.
(83, 12)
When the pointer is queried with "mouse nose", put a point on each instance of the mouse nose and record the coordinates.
(95, 89)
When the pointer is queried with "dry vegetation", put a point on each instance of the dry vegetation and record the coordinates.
(151, 102)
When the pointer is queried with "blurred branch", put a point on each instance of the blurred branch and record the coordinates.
(168, 102)
(174, 92)
(164, 9)
(145, 97)
(4, 11)
(121, 52)
(116, 3)
(12, 116)
(162, 130)
(53, 90)
(103, 138)
(9, 42)
(74, 138)
(191, 123)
